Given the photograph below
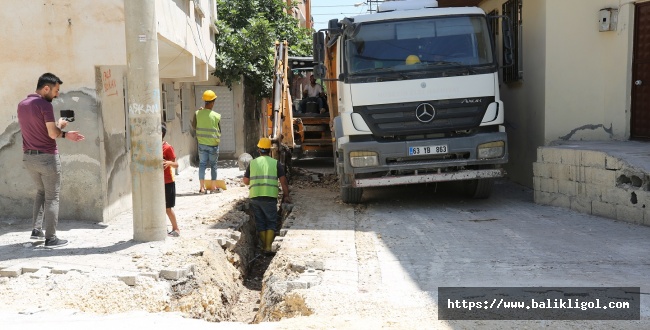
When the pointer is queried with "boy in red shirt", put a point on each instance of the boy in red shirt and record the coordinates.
(169, 162)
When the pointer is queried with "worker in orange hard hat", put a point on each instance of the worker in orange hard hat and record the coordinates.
(262, 174)
(206, 125)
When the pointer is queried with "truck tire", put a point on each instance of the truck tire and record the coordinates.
(479, 188)
(351, 195)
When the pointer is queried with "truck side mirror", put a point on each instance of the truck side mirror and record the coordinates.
(319, 47)
(319, 71)
(508, 51)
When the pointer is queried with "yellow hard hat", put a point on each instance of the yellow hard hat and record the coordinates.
(265, 143)
(412, 59)
(209, 95)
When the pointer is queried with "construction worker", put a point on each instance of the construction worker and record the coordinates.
(262, 174)
(207, 126)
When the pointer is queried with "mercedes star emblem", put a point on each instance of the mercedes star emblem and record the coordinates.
(425, 112)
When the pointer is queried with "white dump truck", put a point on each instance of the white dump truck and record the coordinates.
(413, 92)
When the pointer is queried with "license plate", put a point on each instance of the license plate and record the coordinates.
(428, 150)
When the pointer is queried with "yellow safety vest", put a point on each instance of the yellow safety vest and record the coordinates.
(207, 127)
(263, 177)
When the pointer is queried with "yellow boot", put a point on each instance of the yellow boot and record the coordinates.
(263, 238)
(270, 235)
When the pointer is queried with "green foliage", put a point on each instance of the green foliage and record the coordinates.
(248, 30)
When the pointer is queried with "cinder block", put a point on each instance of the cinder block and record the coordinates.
(629, 214)
(603, 209)
(569, 188)
(600, 176)
(592, 158)
(548, 185)
(11, 271)
(613, 163)
(581, 204)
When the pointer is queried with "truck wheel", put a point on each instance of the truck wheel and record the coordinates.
(479, 188)
(351, 195)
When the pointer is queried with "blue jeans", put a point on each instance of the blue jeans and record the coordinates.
(45, 170)
(208, 154)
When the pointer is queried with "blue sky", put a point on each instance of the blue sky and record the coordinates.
(324, 10)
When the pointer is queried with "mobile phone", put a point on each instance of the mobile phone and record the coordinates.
(67, 115)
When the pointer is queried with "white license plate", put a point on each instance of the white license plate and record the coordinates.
(428, 150)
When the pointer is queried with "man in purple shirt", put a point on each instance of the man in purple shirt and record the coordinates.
(41, 156)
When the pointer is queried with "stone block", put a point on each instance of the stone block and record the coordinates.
(603, 209)
(173, 274)
(56, 270)
(594, 191)
(617, 196)
(600, 176)
(235, 235)
(581, 204)
(127, 279)
(629, 214)
(31, 269)
(297, 284)
(592, 158)
(11, 271)
(569, 188)
(41, 273)
(230, 244)
(542, 170)
(222, 241)
(569, 157)
(536, 183)
(562, 172)
(551, 155)
(613, 163)
(577, 173)
(548, 185)
(152, 275)
(317, 265)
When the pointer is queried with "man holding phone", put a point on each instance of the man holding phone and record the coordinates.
(41, 156)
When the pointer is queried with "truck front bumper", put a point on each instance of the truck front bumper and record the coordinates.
(395, 165)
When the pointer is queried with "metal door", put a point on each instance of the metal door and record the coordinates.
(640, 116)
(225, 106)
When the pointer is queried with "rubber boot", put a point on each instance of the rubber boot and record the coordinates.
(270, 235)
(263, 238)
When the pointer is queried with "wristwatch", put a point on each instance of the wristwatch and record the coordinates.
(63, 134)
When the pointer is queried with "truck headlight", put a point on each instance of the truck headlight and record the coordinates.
(363, 158)
(494, 149)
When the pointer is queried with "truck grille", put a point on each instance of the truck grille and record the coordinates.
(400, 119)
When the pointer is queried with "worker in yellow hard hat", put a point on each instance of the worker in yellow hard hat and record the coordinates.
(412, 59)
(206, 125)
(262, 174)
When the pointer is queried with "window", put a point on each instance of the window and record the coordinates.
(512, 9)
(167, 102)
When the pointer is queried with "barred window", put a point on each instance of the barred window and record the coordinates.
(512, 9)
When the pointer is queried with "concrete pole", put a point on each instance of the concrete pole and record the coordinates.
(149, 217)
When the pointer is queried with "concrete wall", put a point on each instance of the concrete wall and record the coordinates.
(83, 42)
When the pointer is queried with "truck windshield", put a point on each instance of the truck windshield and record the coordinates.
(419, 44)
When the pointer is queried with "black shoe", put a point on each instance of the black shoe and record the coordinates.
(37, 233)
(55, 242)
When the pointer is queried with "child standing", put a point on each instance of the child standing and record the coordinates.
(169, 162)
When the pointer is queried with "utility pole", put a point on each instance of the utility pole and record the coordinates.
(148, 195)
